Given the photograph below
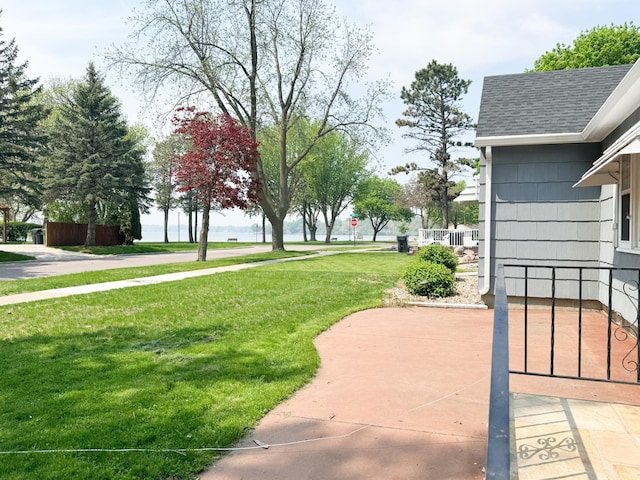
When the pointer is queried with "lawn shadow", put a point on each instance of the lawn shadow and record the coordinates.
(117, 388)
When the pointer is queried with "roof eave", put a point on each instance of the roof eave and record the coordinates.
(537, 139)
(622, 102)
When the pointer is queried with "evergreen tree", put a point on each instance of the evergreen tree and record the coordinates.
(435, 121)
(96, 159)
(21, 138)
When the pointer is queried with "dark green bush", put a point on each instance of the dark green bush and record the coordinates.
(18, 231)
(440, 254)
(429, 279)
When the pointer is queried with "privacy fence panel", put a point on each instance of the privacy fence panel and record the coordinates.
(69, 234)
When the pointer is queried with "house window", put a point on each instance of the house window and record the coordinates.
(628, 214)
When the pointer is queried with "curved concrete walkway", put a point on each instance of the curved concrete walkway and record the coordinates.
(399, 395)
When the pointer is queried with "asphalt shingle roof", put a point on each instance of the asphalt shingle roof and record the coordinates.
(561, 101)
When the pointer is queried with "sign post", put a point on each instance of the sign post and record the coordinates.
(354, 224)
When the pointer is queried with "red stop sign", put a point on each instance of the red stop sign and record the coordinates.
(354, 222)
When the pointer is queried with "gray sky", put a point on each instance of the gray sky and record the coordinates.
(491, 37)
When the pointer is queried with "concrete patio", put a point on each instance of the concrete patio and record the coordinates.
(403, 393)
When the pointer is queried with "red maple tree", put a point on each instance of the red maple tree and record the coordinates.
(220, 165)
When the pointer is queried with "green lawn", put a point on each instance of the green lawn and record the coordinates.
(174, 366)
(13, 257)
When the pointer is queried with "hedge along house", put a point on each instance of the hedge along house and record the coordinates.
(560, 184)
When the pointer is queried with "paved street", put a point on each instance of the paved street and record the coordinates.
(53, 261)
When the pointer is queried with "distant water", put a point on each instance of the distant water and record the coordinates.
(157, 235)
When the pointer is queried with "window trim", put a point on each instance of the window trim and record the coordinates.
(629, 171)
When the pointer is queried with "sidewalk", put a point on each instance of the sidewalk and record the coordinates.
(135, 282)
(400, 394)
(403, 393)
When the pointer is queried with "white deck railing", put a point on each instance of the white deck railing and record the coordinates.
(454, 238)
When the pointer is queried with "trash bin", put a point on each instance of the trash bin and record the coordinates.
(403, 243)
(37, 236)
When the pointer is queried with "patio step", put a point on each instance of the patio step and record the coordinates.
(554, 437)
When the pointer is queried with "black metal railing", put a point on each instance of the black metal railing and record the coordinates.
(498, 450)
(623, 331)
(618, 329)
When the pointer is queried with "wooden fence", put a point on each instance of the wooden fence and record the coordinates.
(67, 234)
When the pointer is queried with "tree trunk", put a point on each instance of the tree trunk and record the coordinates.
(90, 241)
(304, 222)
(277, 234)
(204, 233)
(195, 220)
(264, 228)
(166, 225)
(444, 202)
(275, 214)
(329, 224)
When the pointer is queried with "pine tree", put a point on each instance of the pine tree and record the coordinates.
(96, 160)
(21, 138)
(434, 119)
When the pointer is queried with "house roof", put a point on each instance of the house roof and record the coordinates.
(471, 193)
(545, 103)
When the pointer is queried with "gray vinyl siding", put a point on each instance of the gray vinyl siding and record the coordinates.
(538, 218)
(625, 284)
(607, 219)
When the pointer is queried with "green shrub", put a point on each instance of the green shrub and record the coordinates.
(429, 279)
(18, 231)
(440, 254)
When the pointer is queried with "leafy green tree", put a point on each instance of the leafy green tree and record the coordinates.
(434, 119)
(96, 159)
(332, 172)
(190, 206)
(137, 192)
(162, 174)
(22, 139)
(264, 62)
(376, 199)
(597, 47)
(298, 195)
(66, 212)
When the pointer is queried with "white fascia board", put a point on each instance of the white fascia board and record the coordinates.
(540, 139)
(622, 102)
